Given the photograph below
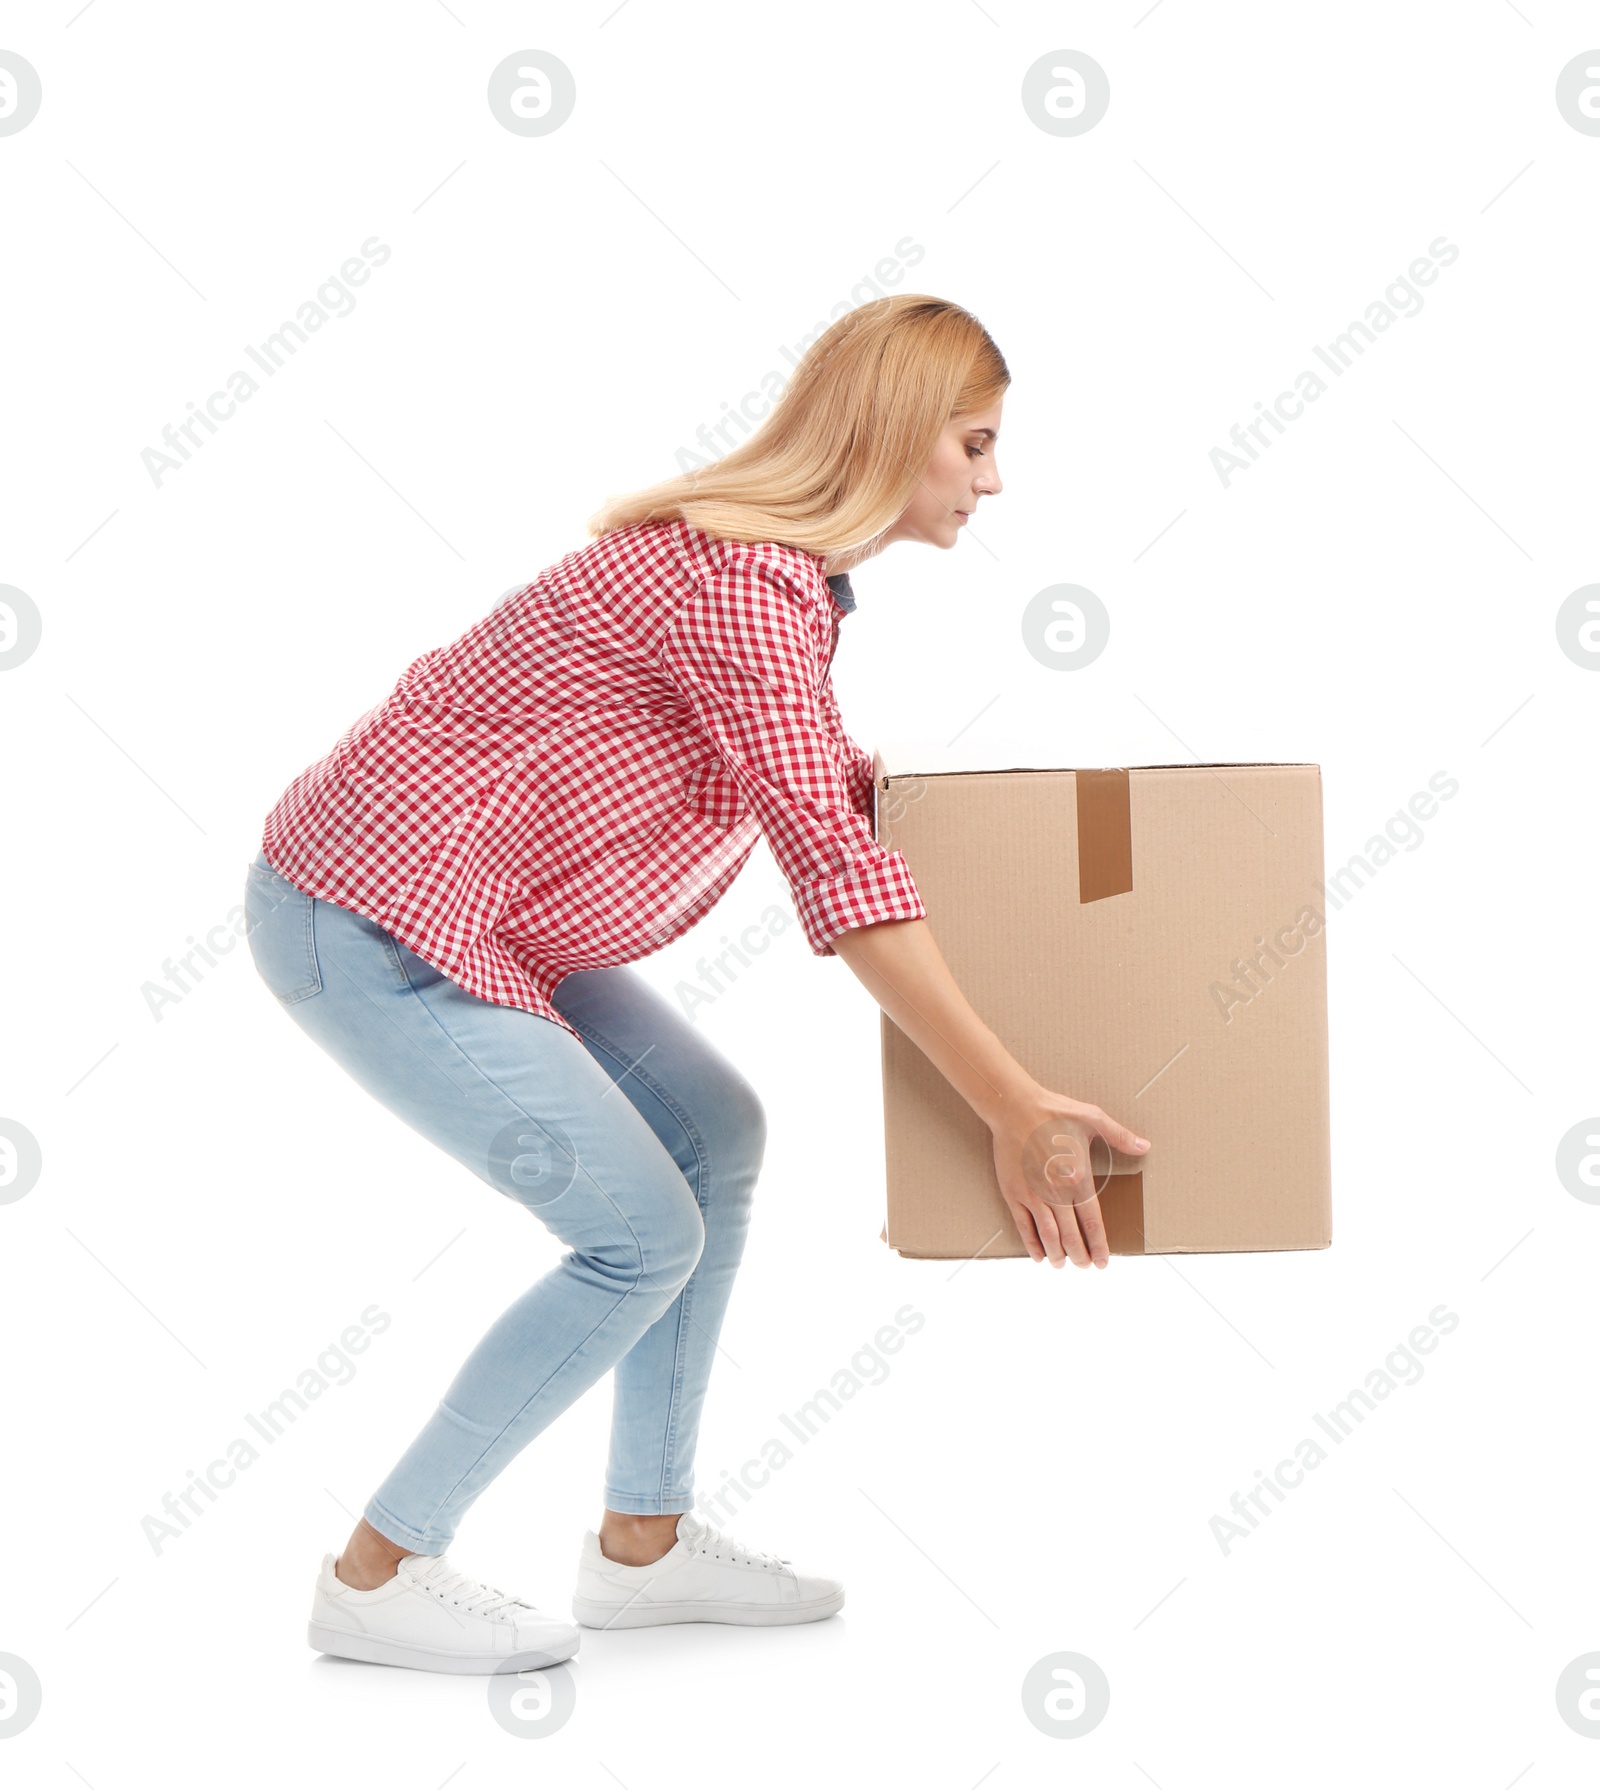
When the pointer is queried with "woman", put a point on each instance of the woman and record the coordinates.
(446, 900)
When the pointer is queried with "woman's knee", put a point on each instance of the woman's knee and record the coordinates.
(736, 1139)
(671, 1234)
(649, 1250)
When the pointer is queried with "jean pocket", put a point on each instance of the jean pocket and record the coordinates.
(280, 929)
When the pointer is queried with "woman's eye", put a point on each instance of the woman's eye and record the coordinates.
(974, 450)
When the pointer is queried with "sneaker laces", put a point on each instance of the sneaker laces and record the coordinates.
(464, 1591)
(713, 1540)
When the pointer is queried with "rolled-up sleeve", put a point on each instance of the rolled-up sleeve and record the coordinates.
(748, 653)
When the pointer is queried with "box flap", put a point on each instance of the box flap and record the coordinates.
(917, 760)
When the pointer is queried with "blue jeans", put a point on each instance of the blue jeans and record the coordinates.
(639, 1148)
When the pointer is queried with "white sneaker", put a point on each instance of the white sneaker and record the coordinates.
(435, 1619)
(706, 1576)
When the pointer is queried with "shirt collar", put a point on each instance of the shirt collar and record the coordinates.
(839, 584)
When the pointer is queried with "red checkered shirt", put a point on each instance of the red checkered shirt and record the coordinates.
(576, 780)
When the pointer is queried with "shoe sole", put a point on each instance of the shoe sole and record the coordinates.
(377, 1652)
(642, 1615)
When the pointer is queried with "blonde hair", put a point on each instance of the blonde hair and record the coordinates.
(839, 456)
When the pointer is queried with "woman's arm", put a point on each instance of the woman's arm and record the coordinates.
(1042, 1139)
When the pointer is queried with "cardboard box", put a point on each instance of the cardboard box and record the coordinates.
(1149, 939)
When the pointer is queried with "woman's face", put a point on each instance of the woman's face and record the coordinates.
(961, 470)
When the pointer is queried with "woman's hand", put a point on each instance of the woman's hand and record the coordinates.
(1043, 1159)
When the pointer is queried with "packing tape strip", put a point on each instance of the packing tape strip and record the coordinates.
(1105, 835)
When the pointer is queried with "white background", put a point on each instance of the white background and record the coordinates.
(1039, 1469)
